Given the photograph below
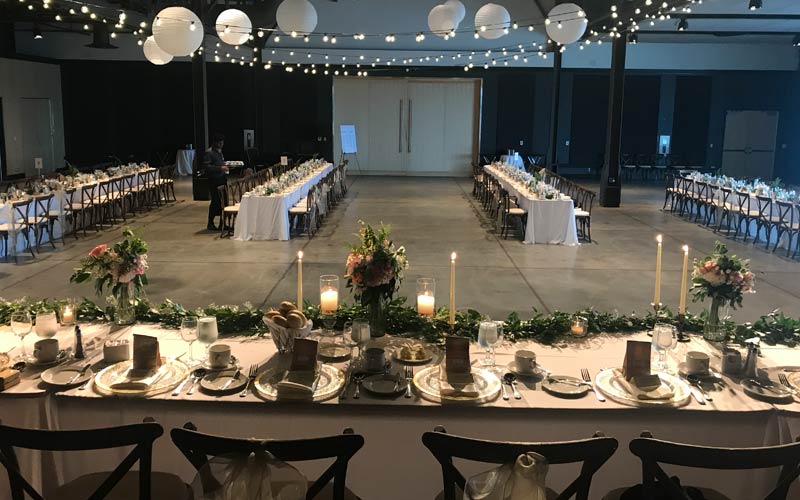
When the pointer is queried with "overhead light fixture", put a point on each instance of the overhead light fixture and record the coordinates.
(683, 25)
(37, 33)
(756, 4)
(632, 38)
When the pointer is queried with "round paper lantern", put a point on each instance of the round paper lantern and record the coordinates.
(233, 26)
(461, 11)
(567, 23)
(298, 16)
(494, 19)
(178, 31)
(442, 19)
(153, 52)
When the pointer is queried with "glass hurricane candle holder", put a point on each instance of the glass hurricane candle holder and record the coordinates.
(426, 297)
(579, 327)
(328, 294)
(68, 313)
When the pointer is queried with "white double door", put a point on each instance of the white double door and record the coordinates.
(409, 126)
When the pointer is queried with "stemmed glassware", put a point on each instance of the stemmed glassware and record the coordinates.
(189, 334)
(21, 325)
(207, 332)
(490, 333)
(664, 337)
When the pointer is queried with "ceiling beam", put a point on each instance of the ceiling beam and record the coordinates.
(718, 33)
(749, 17)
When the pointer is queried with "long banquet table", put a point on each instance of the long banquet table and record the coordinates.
(393, 463)
(550, 222)
(267, 217)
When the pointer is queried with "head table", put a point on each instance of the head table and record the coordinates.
(393, 463)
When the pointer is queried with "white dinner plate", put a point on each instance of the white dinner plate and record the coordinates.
(217, 382)
(63, 375)
(385, 384)
(766, 390)
(428, 384)
(608, 381)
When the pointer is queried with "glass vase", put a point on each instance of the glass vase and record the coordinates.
(125, 296)
(376, 314)
(714, 330)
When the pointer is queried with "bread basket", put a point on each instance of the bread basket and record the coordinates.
(284, 337)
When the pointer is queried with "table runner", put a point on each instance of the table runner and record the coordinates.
(550, 222)
(267, 217)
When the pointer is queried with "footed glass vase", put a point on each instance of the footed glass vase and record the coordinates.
(125, 296)
(376, 314)
(714, 330)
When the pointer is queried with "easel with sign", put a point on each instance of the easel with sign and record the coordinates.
(349, 147)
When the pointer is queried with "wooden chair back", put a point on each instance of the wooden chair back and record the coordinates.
(198, 447)
(592, 453)
(653, 452)
(140, 436)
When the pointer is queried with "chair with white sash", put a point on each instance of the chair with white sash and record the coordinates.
(39, 219)
(305, 212)
(17, 225)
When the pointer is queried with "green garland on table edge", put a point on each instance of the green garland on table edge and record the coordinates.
(774, 328)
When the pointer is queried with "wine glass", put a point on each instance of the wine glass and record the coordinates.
(21, 325)
(207, 332)
(664, 337)
(489, 334)
(189, 334)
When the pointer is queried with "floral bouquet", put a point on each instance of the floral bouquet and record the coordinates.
(723, 277)
(374, 271)
(120, 268)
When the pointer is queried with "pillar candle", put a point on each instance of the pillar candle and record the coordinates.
(68, 315)
(329, 301)
(300, 280)
(452, 289)
(682, 304)
(425, 305)
(657, 294)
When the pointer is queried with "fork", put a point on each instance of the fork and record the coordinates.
(587, 378)
(250, 378)
(785, 382)
(409, 373)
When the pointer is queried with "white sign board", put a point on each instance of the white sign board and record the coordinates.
(284, 161)
(348, 133)
(37, 163)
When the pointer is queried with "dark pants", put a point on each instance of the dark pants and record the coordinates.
(215, 208)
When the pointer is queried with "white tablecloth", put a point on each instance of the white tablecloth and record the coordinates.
(513, 160)
(393, 427)
(184, 159)
(550, 222)
(267, 217)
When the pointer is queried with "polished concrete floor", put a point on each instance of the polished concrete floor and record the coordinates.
(431, 217)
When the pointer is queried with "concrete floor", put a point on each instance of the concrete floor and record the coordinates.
(431, 217)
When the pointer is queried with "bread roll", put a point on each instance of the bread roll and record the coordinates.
(286, 307)
(295, 320)
(280, 321)
(272, 314)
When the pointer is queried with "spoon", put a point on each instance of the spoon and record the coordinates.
(511, 380)
(197, 374)
(19, 366)
(695, 381)
(358, 378)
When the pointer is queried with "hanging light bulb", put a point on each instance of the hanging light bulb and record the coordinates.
(260, 33)
(333, 39)
(84, 9)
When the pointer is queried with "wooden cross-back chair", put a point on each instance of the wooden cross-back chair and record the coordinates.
(593, 453)
(198, 447)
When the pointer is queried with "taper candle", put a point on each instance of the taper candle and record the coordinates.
(657, 293)
(452, 289)
(682, 303)
(300, 280)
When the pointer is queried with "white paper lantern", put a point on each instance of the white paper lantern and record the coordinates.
(442, 19)
(296, 16)
(233, 26)
(567, 23)
(178, 31)
(492, 20)
(461, 11)
(153, 52)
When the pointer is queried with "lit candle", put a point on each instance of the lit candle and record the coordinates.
(657, 294)
(300, 280)
(67, 315)
(452, 289)
(682, 304)
(425, 305)
(329, 301)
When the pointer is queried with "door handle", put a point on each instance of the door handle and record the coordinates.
(408, 127)
(400, 128)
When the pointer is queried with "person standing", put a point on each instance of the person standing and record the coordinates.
(216, 170)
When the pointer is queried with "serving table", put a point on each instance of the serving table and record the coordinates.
(550, 222)
(267, 217)
(393, 463)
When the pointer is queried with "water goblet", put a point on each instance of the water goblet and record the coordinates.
(664, 338)
(189, 334)
(21, 325)
(489, 334)
(207, 332)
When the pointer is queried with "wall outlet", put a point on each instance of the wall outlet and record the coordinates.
(521, 143)
(566, 143)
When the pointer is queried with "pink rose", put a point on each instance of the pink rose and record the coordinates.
(98, 251)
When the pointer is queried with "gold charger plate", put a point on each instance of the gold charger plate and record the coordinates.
(330, 382)
(427, 383)
(794, 379)
(608, 382)
(174, 373)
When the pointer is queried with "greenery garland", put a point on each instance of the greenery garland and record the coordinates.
(774, 328)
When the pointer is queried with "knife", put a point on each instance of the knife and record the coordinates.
(232, 379)
(80, 374)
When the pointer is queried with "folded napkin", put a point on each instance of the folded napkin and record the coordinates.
(140, 380)
(8, 378)
(298, 382)
(646, 387)
(460, 385)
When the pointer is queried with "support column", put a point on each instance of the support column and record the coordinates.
(610, 186)
(552, 151)
(200, 110)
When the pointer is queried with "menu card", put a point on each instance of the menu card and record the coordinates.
(8, 378)
(304, 356)
(302, 374)
(456, 379)
(457, 354)
(637, 359)
(146, 353)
